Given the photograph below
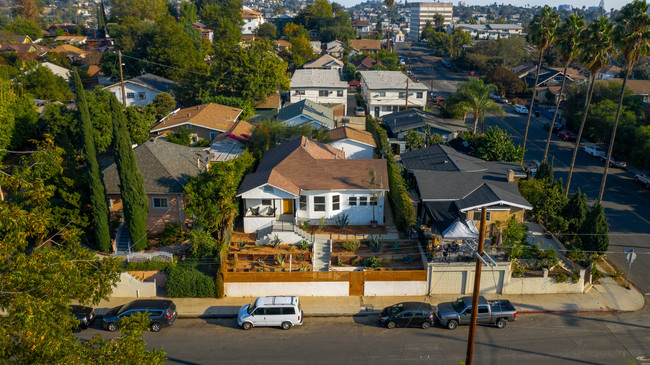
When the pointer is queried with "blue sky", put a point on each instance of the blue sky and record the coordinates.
(617, 4)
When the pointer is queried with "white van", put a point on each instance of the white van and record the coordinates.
(278, 311)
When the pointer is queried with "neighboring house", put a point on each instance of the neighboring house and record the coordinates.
(304, 180)
(364, 46)
(74, 53)
(609, 72)
(316, 47)
(324, 62)
(97, 77)
(366, 63)
(385, 92)
(57, 70)
(206, 34)
(354, 143)
(252, 20)
(20, 38)
(143, 89)
(321, 86)
(282, 45)
(361, 27)
(307, 111)
(399, 123)
(268, 108)
(205, 121)
(640, 88)
(488, 31)
(25, 51)
(454, 187)
(231, 144)
(75, 40)
(280, 20)
(335, 49)
(166, 168)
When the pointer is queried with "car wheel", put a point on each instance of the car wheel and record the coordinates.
(155, 327)
(111, 327)
(247, 325)
(452, 324)
(501, 323)
(286, 325)
(426, 325)
(390, 325)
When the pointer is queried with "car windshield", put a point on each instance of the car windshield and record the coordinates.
(458, 305)
(251, 308)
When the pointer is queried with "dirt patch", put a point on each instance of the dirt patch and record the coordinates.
(252, 257)
(238, 236)
(394, 255)
(612, 271)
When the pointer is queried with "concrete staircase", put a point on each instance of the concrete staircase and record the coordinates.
(322, 255)
(123, 239)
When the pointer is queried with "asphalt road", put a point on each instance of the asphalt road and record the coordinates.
(532, 339)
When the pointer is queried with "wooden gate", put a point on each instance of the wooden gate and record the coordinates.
(356, 283)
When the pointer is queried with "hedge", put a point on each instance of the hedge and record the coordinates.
(403, 210)
(188, 282)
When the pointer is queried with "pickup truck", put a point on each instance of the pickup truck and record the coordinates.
(643, 179)
(496, 312)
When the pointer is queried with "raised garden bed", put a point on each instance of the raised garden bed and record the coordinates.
(391, 255)
(248, 256)
(341, 233)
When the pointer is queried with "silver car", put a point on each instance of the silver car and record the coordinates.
(276, 311)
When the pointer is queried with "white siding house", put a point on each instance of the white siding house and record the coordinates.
(252, 19)
(385, 92)
(321, 86)
(354, 143)
(143, 89)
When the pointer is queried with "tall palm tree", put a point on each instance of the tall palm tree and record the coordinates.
(632, 37)
(569, 34)
(542, 34)
(390, 4)
(475, 97)
(597, 47)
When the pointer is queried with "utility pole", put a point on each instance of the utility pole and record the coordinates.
(477, 285)
(119, 57)
(407, 92)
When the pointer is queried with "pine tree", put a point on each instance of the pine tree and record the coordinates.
(594, 231)
(134, 198)
(574, 213)
(95, 182)
(545, 171)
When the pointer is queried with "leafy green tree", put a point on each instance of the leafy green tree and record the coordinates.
(267, 30)
(597, 47)
(495, 145)
(97, 190)
(413, 140)
(25, 26)
(142, 9)
(141, 120)
(475, 98)
(594, 231)
(203, 244)
(189, 12)
(548, 201)
(18, 118)
(602, 117)
(180, 136)
(632, 36)
(545, 171)
(428, 30)
(59, 59)
(349, 72)
(439, 22)
(26, 9)
(43, 84)
(161, 105)
(542, 34)
(134, 198)
(272, 133)
(225, 18)
(506, 81)
(574, 213)
(99, 106)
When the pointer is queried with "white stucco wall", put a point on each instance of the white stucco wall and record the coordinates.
(149, 94)
(545, 285)
(387, 100)
(321, 289)
(354, 149)
(359, 214)
(394, 288)
(313, 95)
(128, 286)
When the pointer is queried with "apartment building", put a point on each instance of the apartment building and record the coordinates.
(421, 12)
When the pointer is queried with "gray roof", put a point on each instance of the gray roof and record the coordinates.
(311, 109)
(441, 158)
(154, 82)
(505, 26)
(317, 78)
(166, 167)
(412, 118)
(389, 80)
(322, 61)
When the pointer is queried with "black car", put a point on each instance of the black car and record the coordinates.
(409, 314)
(162, 313)
(85, 316)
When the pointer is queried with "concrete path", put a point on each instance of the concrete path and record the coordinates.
(322, 255)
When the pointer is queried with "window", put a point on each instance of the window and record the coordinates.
(288, 310)
(268, 189)
(110, 203)
(303, 202)
(300, 92)
(387, 108)
(381, 94)
(419, 95)
(336, 203)
(402, 95)
(142, 96)
(339, 93)
(160, 203)
(477, 216)
(324, 93)
(373, 200)
(213, 135)
(352, 201)
(267, 202)
(130, 95)
(319, 204)
(273, 311)
(363, 200)
(487, 216)
(483, 310)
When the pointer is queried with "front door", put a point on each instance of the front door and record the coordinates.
(376, 112)
(287, 206)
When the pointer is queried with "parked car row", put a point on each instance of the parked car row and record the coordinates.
(598, 151)
(162, 313)
(521, 109)
(498, 98)
(643, 179)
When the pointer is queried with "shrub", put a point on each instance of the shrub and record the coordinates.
(303, 268)
(305, 226)
(234, 261)
(351, 245)
(385, 262)
(279, 259)
(395, 247)
(241, 245)
(203, 244)
(548, 257)
(300, 257)
(202, 143)
(187, 282)
(561, 277)
(575, 276)
(342, 220)
(596, 274)
(355, 260)
(321, 223)
(407, 259)
(150, 265)
(171, 234)
(372, 261)
(375, 244)
(340, 262)
(276, 241)
(303, 245)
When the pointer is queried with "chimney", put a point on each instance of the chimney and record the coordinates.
(511, 175)
(198, 162)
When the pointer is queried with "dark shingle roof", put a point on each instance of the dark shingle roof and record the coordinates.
(165, 167)
(441, 158)
(404, 120)
(153, 82)
(311, 109)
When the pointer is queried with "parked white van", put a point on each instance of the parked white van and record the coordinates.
(278, 311)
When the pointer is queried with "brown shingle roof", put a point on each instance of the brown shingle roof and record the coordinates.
(366, 63)
(284, 167)
(353, 134)
(365, 44)
(211, 115)
(66, 48)
(250, 14)
(271, 102)
(638, 87)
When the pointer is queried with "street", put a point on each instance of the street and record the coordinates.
(533, 339)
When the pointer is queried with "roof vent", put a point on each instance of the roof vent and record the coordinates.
(189, 115)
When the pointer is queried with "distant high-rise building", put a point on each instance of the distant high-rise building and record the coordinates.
(602, 4)
(564, 7)
(422, 12)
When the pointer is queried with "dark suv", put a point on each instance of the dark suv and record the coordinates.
(409, 314)
(85, 316)
(162, 313)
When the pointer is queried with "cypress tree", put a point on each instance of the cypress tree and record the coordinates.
(134, 198)
(574, 213)
(594, 230)
(95, 182)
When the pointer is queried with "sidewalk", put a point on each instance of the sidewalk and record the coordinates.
(607, 296)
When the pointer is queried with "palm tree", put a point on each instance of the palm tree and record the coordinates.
(568, 39)
(596, 48)
(390, 4)
(632, 38)
(542, 34)
(475, 97)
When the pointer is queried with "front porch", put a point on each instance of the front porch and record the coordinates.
(263, 213)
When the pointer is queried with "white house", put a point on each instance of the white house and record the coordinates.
(143, 89)
(307, 111)
(304, 180)
(353, 142)
(321, 86)
(385, 92)
(252, 20)
(488, 31)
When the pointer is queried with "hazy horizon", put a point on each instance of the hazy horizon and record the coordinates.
(616, 4)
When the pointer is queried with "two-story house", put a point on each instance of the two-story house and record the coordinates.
(321, 86)
(143, 89)
(386, 92)
(252, 19)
